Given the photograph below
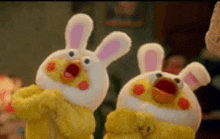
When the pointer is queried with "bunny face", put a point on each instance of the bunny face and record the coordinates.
(79, 73)
(170, 97)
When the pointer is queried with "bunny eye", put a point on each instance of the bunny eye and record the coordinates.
(156, 76)
(87, 61)
(73, 55)
(179, 82)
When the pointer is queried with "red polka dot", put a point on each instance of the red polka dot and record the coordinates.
(51, 66)
(139, 89)
(184, 103)
(83, 85)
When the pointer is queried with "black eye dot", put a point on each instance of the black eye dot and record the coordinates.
(158, 75)
(177, 80)
(71, 53)
(87, 61)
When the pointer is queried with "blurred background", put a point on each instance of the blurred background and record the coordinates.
(31, 31)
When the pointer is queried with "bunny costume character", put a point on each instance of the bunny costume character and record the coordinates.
(156, 104)
(70, 85)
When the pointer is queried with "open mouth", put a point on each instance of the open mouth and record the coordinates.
(166, 86)
(164, 91)
(72, 71)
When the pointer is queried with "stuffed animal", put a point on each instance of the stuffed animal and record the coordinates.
(212, 37)
(156, 104)
(70, 84)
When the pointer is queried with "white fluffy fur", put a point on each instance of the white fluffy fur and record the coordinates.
(199, 72)
(125, 45)
(97, 72)
(150, 47)
(79, 19)
(91, 98)
(190, 117)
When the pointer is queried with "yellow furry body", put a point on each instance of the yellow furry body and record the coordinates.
(34, 105)
(128, 124)
(147, 96)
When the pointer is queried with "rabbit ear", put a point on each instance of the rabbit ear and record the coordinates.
(150, 57)
(195, 75)
(78, 30)
(113, 46)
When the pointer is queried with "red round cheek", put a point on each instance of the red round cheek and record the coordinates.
(138, 89)
(83, 85)
(51, 66)
(184, 103)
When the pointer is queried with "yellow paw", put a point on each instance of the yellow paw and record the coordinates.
(122, 121)
(147, 123)
(51, 99)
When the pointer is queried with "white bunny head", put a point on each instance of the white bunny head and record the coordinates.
(79, 73)
(170, 97)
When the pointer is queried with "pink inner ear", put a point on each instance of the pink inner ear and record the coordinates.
(191, 80)
(76, 36)
(151, 61)
(109, 50)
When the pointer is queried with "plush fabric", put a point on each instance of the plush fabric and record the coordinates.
(34, 105)
(147, 95)
(70, 84)
(166, 101)
(78, 29)
(128, 124)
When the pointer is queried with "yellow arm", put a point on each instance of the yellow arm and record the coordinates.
(26, 102)
(168, 131)
(147, 123)
(75, 121)
(122, 121)
(158, 130)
